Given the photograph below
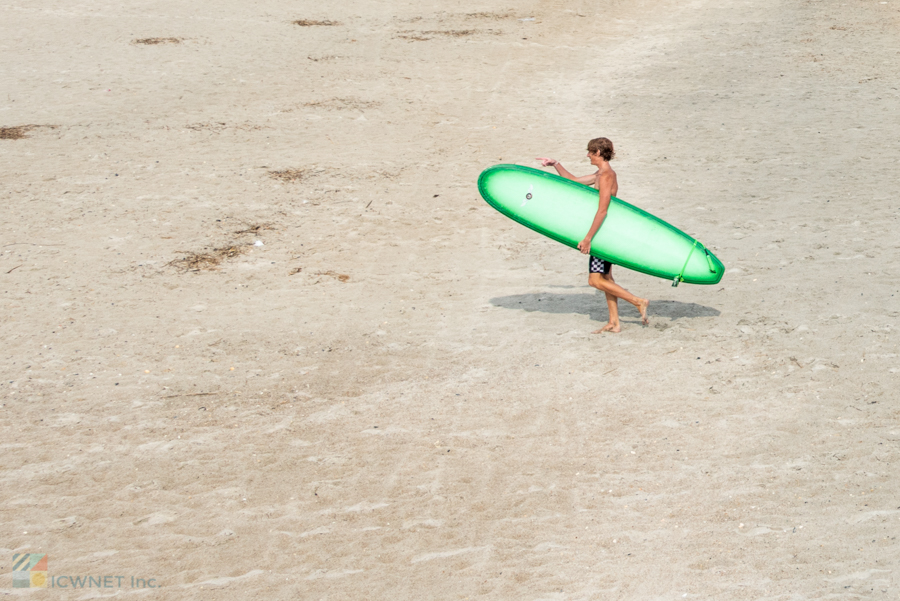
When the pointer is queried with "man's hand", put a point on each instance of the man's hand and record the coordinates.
(547, 162)
(585, 246)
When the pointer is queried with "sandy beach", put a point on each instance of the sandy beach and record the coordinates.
(262, 339)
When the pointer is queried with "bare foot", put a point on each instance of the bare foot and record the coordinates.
(615, 328)
(642, 307)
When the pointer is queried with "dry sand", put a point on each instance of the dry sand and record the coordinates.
(397, 396)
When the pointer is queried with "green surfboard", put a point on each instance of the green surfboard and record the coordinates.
(563, 210)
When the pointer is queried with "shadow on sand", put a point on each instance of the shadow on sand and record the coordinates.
(593, 305)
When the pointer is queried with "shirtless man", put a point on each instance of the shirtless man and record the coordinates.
(600, 153)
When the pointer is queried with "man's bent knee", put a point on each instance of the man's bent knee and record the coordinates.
(597, 281)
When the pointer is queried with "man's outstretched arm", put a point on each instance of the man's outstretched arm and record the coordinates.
(585, 179)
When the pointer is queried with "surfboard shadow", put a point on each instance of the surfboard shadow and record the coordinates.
(594, 305)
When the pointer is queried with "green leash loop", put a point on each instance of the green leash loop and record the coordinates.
(709, 262)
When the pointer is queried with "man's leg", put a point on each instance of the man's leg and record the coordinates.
(612, 302)
(598, 268)
(609, 286)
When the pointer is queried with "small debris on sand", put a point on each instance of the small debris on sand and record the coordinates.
(342, 277)
(289, 175)
(313, 23)
(210, 260)
(17, 132)
(155, 41)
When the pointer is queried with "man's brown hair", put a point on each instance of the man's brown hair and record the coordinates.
(603, 147)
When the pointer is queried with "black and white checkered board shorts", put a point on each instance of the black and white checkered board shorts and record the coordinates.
(598, 265)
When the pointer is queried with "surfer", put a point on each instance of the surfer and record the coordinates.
(600, 153)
